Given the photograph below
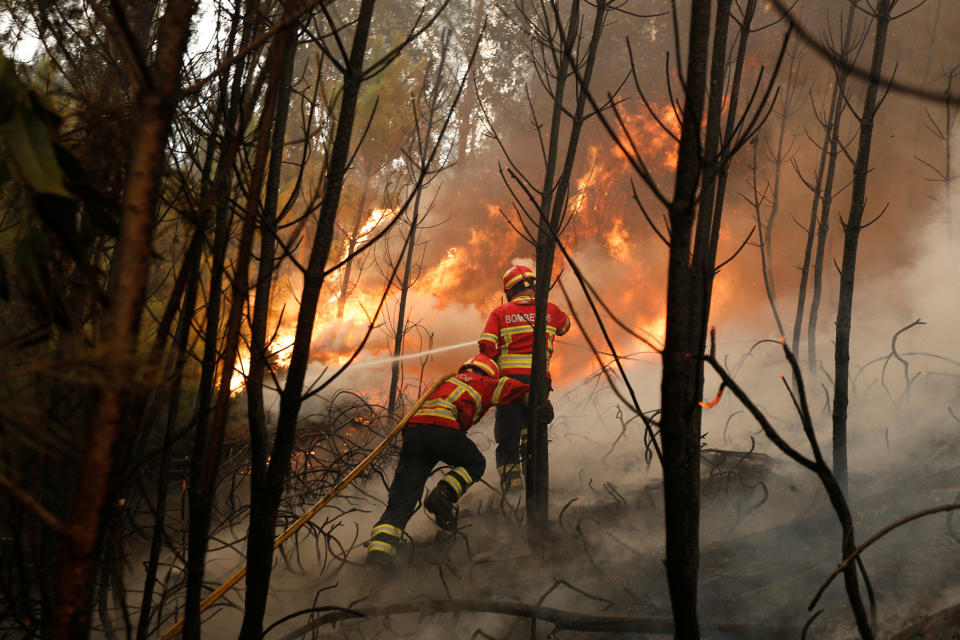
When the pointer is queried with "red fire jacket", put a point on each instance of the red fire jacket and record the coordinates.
(462, 400)
(508, 334)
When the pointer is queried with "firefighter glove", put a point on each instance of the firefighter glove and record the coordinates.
(545, 412)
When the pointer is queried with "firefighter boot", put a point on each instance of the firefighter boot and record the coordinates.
(440, 503)
(382, 549)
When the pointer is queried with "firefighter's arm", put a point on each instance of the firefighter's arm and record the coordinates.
(563, 325)
(490, 338)
(467, 415)
(508, 390)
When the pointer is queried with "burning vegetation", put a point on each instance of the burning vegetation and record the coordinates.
(244, 244)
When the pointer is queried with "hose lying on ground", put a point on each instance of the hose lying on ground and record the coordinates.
(292, 529)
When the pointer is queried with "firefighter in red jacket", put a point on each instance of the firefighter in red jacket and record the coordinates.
(438, 432)
(508, 339)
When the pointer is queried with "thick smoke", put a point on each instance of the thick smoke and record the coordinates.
(763, 516)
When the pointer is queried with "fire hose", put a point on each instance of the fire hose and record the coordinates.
(306, 517)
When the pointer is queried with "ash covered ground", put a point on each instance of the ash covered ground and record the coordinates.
(769, 539)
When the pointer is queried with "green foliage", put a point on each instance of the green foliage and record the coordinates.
(26, 126)
(54, 187)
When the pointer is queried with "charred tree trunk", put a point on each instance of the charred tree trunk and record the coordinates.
(851, 237)
(765, 231)
(944, 133)
(537, 465)
(226, 111)
(402, 310)
(835, 105)
(685, 319)
(267, 500)
(276, 65)
(217, 199)
(825, 193)
(692, 287)
(256, 417)
(107, 439)
(426, 107)
(948, 177)
(823, 227)
(553, 211)
(256, 594)
(180, 346)
(352, 239)
(196, 545)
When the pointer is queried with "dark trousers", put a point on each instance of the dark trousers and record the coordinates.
(423, 446)
(509, 431)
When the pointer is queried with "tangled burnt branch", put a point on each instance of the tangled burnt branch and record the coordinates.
(331, 443)
(746, 467)
(907, 378)
(818, 465)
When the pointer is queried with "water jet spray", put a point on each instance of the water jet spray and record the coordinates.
(408, 356)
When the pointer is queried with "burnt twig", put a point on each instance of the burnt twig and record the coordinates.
(562, 620)
(806, 625)
(564, 583)
(562, 511)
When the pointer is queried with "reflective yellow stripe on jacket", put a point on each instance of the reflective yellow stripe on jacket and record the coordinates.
(499, 390)
(445, 407)
(507, 360)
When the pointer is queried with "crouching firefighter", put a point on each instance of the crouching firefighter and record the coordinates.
(438, 433)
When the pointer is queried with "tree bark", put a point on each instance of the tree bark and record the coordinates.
(827, 192)
(258, 585)
(402, 310)
(680, 415)
(851, 237)
(345, 288)
(263, 522)
(553, 211)
(107, 438)
(216, 199)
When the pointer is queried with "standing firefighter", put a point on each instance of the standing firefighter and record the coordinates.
(508, 339)
(438, 432)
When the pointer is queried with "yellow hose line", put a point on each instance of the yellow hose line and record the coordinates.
(292, 529)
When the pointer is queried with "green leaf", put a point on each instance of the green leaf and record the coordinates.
(25, 132)
(11, 89)
(30, 151)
